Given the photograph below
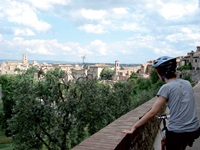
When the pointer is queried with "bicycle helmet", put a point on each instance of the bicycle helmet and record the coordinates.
(165, 66)
(164, 61)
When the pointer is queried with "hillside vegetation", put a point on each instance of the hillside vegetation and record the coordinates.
(42, 111)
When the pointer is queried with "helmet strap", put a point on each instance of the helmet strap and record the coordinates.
(163, 78)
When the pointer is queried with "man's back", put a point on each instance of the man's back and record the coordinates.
(181, 102)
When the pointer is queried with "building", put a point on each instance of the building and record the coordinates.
(192, 57)
(95, 70)
(11, 67)
(78, 72)
(146, 67)
(123, 73)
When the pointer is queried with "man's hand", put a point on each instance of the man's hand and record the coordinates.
(129, 131)
(160, 102)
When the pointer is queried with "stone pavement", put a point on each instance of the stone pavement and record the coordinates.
(196, 144)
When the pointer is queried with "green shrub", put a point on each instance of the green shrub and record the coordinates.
(188, 66)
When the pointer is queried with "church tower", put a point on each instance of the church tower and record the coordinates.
(25, 59)
(117, 67)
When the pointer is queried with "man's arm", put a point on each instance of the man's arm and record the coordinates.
(159, 103)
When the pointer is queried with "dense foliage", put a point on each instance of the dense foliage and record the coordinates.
(107, 74)
(8, 85)
(187, 66)
(46, 111)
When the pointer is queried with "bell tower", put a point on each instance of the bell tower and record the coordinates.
(117, 67)
(25, 59)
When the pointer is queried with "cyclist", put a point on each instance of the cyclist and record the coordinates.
(177, 94)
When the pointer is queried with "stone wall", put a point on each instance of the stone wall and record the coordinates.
(111, 138)
(143, 138)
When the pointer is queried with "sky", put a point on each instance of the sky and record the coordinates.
(130, 31)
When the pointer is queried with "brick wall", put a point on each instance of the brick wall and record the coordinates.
(111, 138)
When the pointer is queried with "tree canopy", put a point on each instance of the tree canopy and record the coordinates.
(107, 74)
(48, 112)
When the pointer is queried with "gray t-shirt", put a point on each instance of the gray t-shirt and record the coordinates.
(181, 103)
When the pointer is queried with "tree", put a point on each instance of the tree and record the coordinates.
(57, 115)
(123, 98)
(1, 109)
(154, 77)
(187, 66)
(44, 112)
(107, 74)
(143, 84)
(133, 76)
(8, 86)
(17, 70)
(53, 114)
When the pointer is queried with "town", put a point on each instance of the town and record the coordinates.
(122, 73)
(110, 103)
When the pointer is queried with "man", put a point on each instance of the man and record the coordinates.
(177, 94)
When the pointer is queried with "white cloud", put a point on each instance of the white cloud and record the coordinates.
(41, 49)
(108, 20)
(1, 37)
(98, 29)
(23, 14)
(120, 11)
(103, 21)
(184, 33)
(23, 32)
(46, 47)
(64, 47)
(98, 47)
(83, 52)
(138, 17)
(145, 47)
(132, 27)
(176, 9)
(48, 4)
(93, 14)
(177, 37)
(166, 51)
(1, 12)
(186, 30)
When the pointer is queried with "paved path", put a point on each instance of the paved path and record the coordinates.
(196, 144)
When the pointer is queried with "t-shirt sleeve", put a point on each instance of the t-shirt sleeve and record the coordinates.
(163, 92)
